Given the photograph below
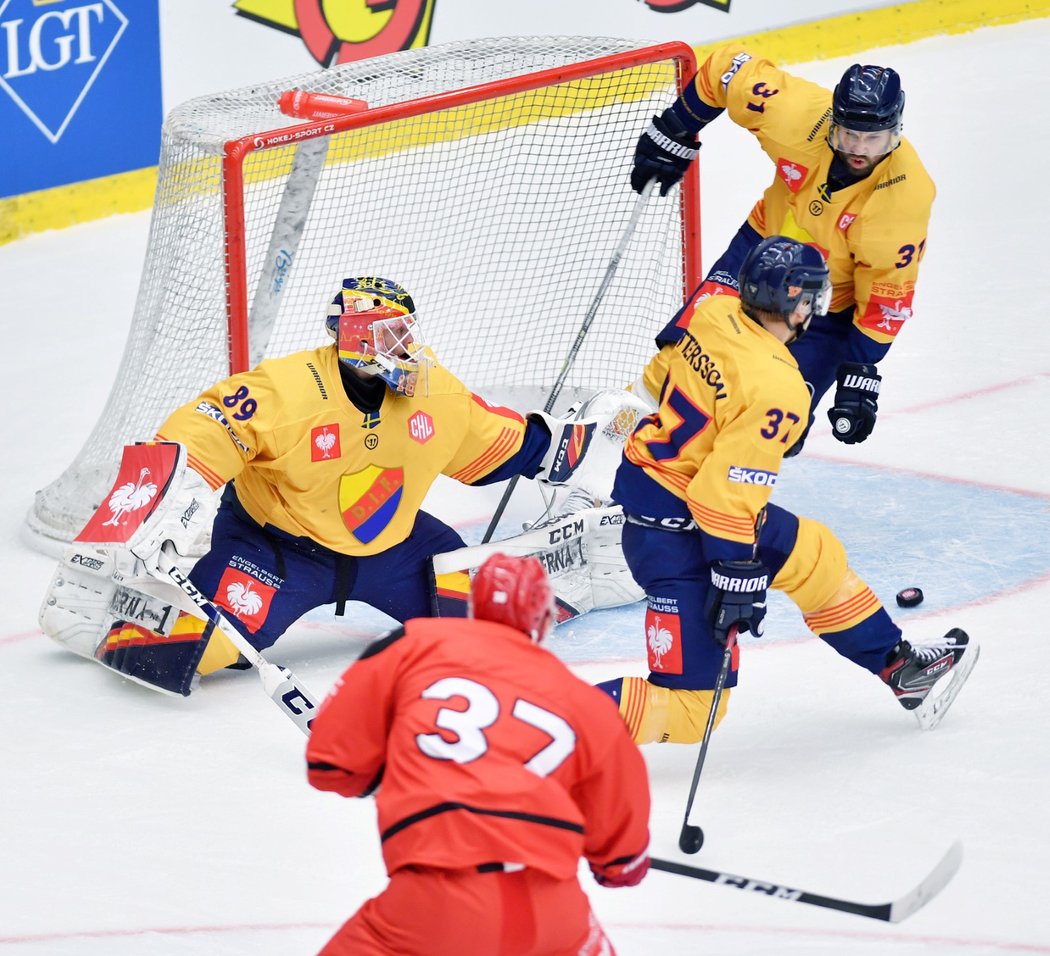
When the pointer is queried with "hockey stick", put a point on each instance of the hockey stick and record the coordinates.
(610, 271)
(280, 684)
(691, 838)
(893, 912)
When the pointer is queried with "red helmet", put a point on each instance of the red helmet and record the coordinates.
(515, 592)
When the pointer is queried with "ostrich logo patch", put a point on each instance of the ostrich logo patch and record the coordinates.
(245, 597)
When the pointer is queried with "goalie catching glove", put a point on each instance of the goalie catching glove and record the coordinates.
(587, 445)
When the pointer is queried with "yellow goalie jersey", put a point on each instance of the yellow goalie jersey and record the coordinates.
(872, 233)
(731, 402)
(304, 459)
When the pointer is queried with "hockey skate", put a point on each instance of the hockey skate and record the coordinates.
(926, 678)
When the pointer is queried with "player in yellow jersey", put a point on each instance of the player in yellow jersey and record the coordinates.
(695, 483)
(326, 456)
(845, 183)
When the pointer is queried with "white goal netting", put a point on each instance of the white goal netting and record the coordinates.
(495, 198)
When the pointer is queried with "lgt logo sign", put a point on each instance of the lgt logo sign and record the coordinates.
(421, 427)
(51, 52)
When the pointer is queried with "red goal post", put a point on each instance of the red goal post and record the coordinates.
(489, 177)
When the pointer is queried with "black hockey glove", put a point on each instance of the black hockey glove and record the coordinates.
(737, 597)
(852, 415)
(664, 152)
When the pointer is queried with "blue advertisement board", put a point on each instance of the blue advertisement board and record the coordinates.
(80, 90)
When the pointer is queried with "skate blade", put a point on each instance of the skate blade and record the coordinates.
(932, 710)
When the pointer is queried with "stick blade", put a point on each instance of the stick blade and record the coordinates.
(940, 876)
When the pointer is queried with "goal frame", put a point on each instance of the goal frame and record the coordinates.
(236, 152)
(237, 227)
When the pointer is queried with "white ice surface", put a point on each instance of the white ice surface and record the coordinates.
(132, 823)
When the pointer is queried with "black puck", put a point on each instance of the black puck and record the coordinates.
(909, 597)
(690, 839)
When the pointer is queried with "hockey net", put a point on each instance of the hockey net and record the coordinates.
(490, 178)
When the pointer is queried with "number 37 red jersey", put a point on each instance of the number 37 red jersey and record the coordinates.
(485, 748)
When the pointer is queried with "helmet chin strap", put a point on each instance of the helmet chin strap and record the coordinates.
(797, 330)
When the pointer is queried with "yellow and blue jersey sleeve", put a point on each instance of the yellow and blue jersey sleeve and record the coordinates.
(872, 233)
(494, 436)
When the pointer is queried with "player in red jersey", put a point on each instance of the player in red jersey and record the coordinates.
(499, 770)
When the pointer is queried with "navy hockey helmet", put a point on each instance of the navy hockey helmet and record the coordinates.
(868, 99)
(781, 274)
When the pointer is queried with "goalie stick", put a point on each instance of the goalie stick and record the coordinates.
(282, 686)
(610, 271)
(893, 912)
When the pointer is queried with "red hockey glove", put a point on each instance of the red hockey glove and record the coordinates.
(620, 873)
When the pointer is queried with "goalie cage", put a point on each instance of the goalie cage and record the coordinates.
(489, 177)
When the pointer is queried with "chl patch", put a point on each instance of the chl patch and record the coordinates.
(324, 442)
(245, 597)
(663, 637)
(421, 427)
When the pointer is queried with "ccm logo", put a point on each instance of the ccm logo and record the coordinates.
(752, 476)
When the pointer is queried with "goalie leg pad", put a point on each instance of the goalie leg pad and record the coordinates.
(166, 662)
(655, 714)
(581, 553)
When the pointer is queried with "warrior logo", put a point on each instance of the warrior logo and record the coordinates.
(342, 32)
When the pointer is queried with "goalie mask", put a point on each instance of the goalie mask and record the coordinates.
(373, 322)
